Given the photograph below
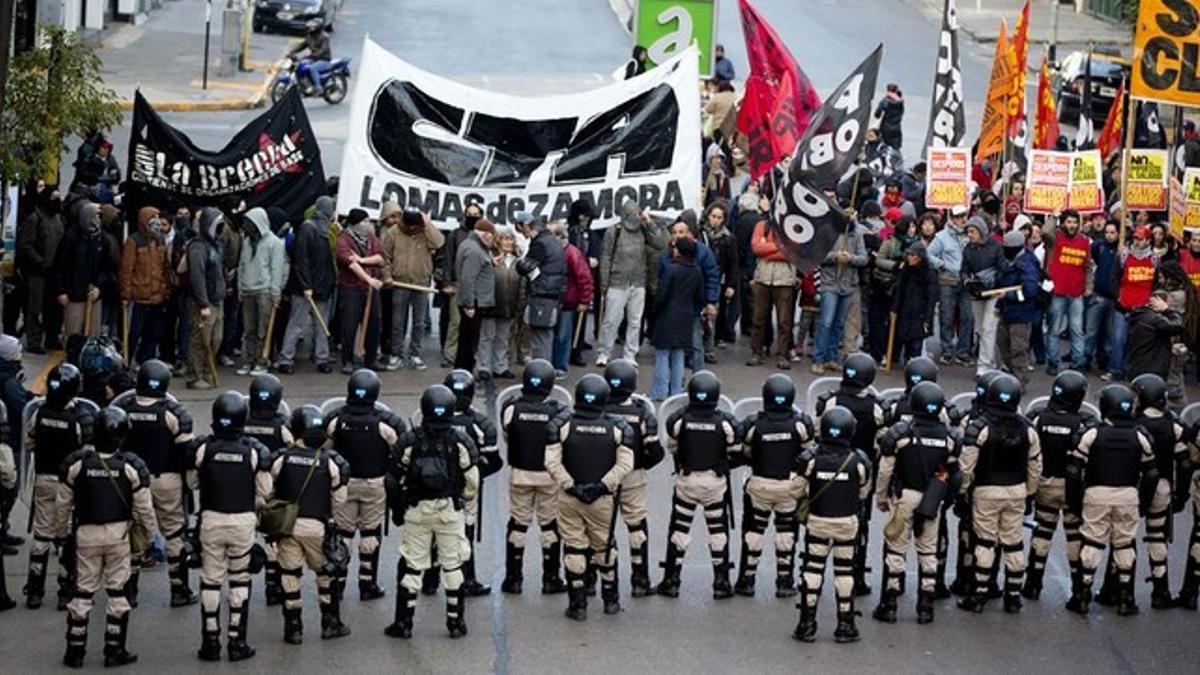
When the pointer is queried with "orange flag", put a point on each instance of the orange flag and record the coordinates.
(991, 133)
(1114, 126)
(1018, 61)
(1045, 132)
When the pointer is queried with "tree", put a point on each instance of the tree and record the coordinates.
(53, 90)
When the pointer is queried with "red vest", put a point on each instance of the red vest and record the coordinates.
(1068, 264)
(1191, 265)
(1137, 281)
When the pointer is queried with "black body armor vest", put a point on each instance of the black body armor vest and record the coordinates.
(838, 490)
(1058, 433)
(589, 451)
(316, 501)
(227, 476)
(1114, 460)
(97, 501)
(529, 434)
(775, 447)
(356, 438)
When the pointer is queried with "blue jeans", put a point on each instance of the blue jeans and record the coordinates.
(145, 330)
(955, 299)
(830, 324)
(1116, 357)
(668, 373)
(315, 69)
(1097, 328)
(1065, 312)
(562, 339)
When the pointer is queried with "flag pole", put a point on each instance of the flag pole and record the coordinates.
(1125, 153)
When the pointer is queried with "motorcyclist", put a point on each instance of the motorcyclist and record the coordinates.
(316, 41)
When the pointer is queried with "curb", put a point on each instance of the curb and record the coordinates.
(989, 38)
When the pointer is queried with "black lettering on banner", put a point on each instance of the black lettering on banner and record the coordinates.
(562, 206)
(537, 204)
(1182, 25)
(648, 196)
(515, 206)
(452, 208)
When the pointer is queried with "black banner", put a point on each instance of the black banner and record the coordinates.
(807, 222)
(947, 119)
(273, 161)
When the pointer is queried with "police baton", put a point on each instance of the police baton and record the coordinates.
(479, 512)
(612, 525)
(729, 501)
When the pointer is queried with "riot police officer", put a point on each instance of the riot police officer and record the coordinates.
(622, 378)
(525, 423)
(105, 490)
(1190, 589)
(916, 371)
(61, 426)
(433, 475)
(588, 457)
(364, 436)
(1170, 448)
(918, 469)
(160, 433)
(482, 431)
(701, 438)
(232, 472)
(773, 440)
(832, 481)
(1109, 474)
(313, 477)
(1001, 465)
(268, 425)
(855, 395)
(1059, 426)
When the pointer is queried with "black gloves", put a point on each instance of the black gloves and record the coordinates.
(489, 463)
(588, 492)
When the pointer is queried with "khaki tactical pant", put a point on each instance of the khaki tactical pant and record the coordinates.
(428, 523)
(634, 510)
(1048, 503)
(585, 530)
(225, 542)
(306, 547)
(896, 536)
(704, 489)
(998, 521)
(524, 503)
(1156, 529)
(203, 332)
(166, 493)
(102, 557)
(364, 511)
(1110, 517)
(822, 535)
(767, 496)
(45, 495)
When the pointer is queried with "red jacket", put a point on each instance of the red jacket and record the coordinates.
(1137, 281)
(1068, 264)
(579, 279)
(1191, 265)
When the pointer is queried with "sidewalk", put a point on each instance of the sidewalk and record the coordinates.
(983, 25)
(164, 56)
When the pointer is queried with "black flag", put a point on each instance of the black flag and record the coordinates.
(947, 119)
(1148, 133)
(806, 222)
(1083, 138)
(273, 161)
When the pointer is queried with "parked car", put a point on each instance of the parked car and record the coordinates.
(293, 16)
(1108, 70)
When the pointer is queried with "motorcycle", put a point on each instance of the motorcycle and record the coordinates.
(335, 81)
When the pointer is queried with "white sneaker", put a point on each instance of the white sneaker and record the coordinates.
(243, 369)
(393, 363)
(258, 370)
(601, 361)
(416, 363)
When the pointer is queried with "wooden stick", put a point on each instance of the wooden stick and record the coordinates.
(266, 350)
(579, 321)
(891, 343)
(414, 287)
(125, 331)
(360, 344)
(1126, 217)
(38, 387)
(87, 317)
(997, 292)
(317, 314)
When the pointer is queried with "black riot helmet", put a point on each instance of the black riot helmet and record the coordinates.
(153, 379)
(778, 393)
(838, 425)
(363, 388)
(437, 406)
(1068, 391)
(1150, 390)
(308, 425)
(858, 371)
(111, 428)
(982, 381)
(591, 393)
(918, 370)
(927, 400)
(229, 412)
(462, 384)
(1004, 393)
(621, 376)
(1116, 402)
(266, 393)
(704, 390)
(538, 378)
(62, 385)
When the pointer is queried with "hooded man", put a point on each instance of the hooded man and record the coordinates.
(623, 277)
(82, 264)
(945, 255)
(983, 261)
(144, 264)
(310, 284)
(1018, 308)
(262, 270)
(359, 258)
(206, 284)
(717, 237)
(37, 242)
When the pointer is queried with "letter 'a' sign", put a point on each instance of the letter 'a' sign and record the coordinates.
(1166, 52)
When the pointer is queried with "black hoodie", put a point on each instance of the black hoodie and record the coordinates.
(205, 271)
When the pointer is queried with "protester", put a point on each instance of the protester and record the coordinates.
(476, 290)
(497, 323)
(37, 244)
(839, 286)
(261, 273)
(408, 250)
(982, 263)
(945, 256)
(446, 279)
(678, 302)
(637, 63)
(717, 237)
(1181, 299)
(359, 259)
(890, 113)
(576, 300)
(544, 267)
(1018, 308)
(774, 287)
(82, 265)
(206, 288)
(1136, 274)
(1101, 304)
(1067, 268)
(722, 66)
(716, 181)
(623, 273)
(915, 300)
(884, 278)
(311, 284)
(173, 348)
(1151, 333)
(144, 264)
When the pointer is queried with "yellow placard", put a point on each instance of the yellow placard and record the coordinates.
(1087, 186)
(1147, 185)
(1166, 48)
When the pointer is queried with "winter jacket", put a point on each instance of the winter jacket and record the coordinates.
(888, 260)
(449, 254)
(890, 112)
(408, 255)
(579, 280)
(547, 252)
(1104, 259)
(743, 231)
(83, 258)
(1068, 264)
(508, 288)
(623, 258)
(680, 293)
(772, 267)
(842, 279)
(204, 261)
(914, 302)
(475, 273)
(1191, 264)
(38, 240)
(981, 265)
(706, 262)
(263, 265)
(1148, 345)
(946, 253)
(312, 262)
(144, 263)
(15, 397)
(913, 189)
(725, 248)
(1024, 271)
(365, 247)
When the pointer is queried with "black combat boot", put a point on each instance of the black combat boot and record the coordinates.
(721, 587)
(115, 653)
(210, 647)
(589, 579)
(181, 592)
(471, 585)
(293, 626)
(456, 606)
(1160, 596)
(976, 600)
(925, 606)
(576, 604)
(73, 657)
(639, 573)
(1081, 596)
(672, 567)
(35, 586)
(1191, 587)
(402, 624)
(1107, 597)
(272, 586)
(552, 581)
(806, 629)
(611, 595)
(514, 574)
(885, 611)
(746, 575)
(861, 587)
(1125, 602)
(1012, 603)
(846, 630)
(239, 650)
(331, 621)
(369, 588)
(236, 647)
(785, 586)
(131, 587)
(1032, 590)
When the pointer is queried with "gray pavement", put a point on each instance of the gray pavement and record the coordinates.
(980, 19)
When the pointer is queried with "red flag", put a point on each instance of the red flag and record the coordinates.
(1020, 57)
(1110, 139)
(779, 100)
(1045, 131)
